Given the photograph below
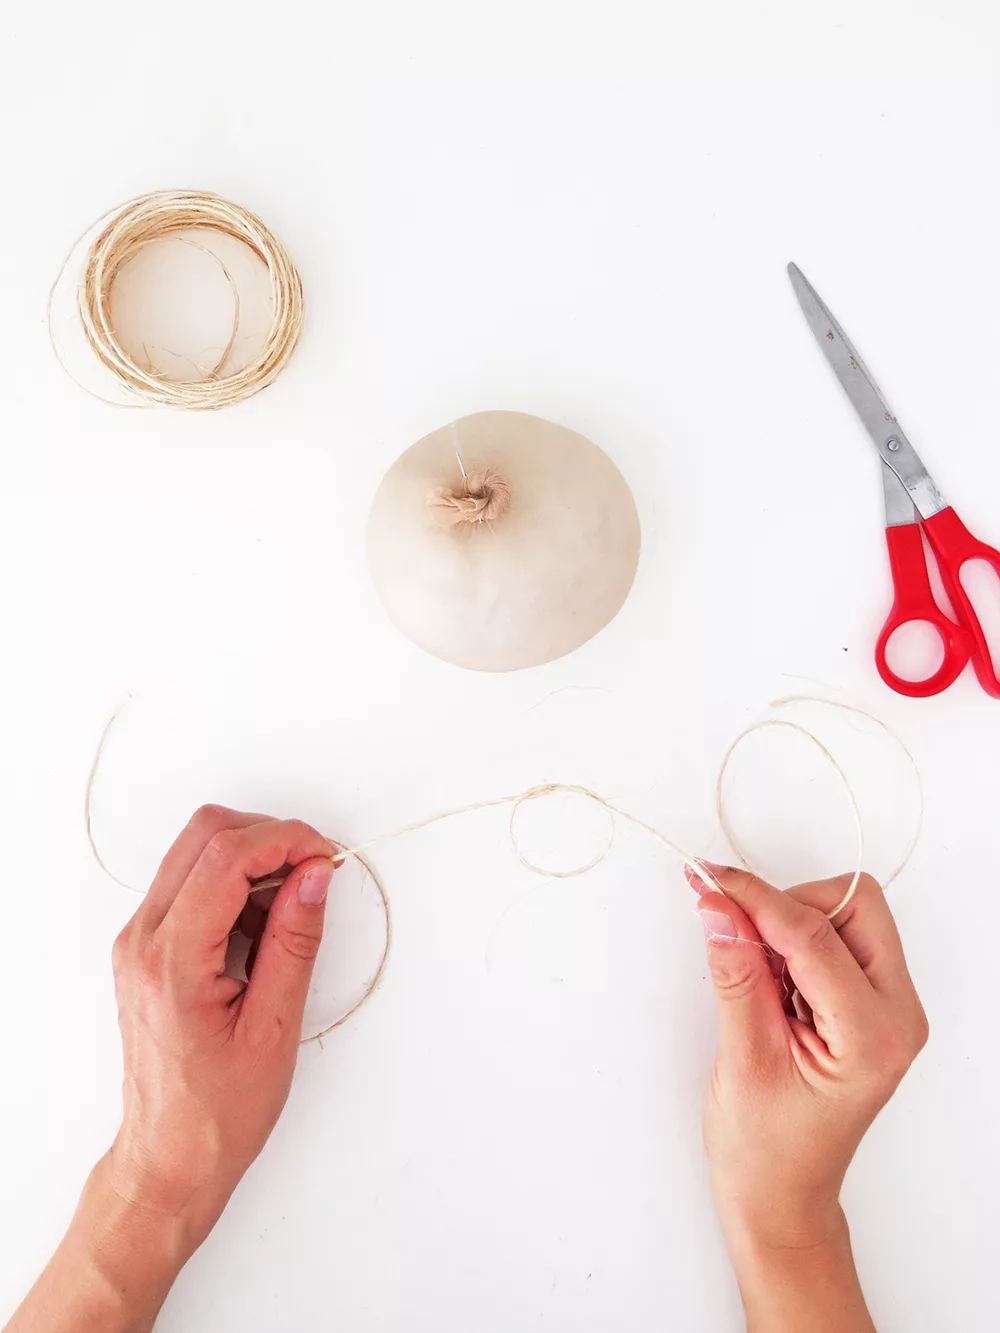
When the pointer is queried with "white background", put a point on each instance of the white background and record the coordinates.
(583, 211)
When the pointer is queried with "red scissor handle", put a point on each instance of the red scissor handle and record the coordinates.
(914, 601)
(954, 546)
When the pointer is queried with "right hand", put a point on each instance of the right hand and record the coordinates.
(796, 1085)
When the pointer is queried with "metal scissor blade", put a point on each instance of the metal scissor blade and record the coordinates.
(896, 452)
(899, 508)
(862, 390)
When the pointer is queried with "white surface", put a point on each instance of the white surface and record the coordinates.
(581, 211)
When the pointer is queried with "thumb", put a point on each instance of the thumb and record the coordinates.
(276, 993)
(751, 1016)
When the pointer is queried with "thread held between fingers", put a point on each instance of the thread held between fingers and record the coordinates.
(719, 928)
(700, 873)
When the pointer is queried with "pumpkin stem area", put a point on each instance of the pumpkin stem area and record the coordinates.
(482, 496)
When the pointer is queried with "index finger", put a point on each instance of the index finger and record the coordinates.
(867, 927)
(182, 857)
(822, 967)
(212, 897)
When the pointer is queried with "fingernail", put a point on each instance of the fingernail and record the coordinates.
(698, 882)
(314, 884)
(718, 926)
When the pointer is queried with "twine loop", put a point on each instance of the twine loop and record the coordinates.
(614, 813)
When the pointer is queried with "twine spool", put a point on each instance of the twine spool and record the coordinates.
(165, 215)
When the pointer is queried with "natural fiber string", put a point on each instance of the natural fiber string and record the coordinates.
(517, 800)
(88, 821)
(259, 885)
(276, 881)
(791, 699)
(814, 740)
(162, 215)
(376, 977)
(785, 702)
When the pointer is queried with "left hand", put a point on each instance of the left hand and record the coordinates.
(209, 1060)
(208, 1066)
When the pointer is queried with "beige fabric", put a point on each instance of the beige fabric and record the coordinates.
(536, 581)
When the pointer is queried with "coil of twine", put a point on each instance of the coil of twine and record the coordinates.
(166, 215)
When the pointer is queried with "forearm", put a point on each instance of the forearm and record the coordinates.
(111, 1272)
(790, 1287)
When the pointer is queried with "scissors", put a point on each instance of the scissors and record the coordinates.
(913, 509)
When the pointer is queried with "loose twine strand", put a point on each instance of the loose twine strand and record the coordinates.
(163, 215)
(614, 812)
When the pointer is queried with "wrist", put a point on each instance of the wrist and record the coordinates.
(779, 1227)
(132, 1252)
(795, 1269)
(112, 1270)
(180, 1188)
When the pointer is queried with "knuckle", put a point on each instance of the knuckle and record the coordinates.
(741, 884)
(735, 977)
(121, 950)
(208, 819)
(150, 965)
(921, 1030)
(226, 845)
(897, 1059)
(300, 944)
(140, 975)
(300, 831)
(816, 932)
(894, 1051)
(897, 1063)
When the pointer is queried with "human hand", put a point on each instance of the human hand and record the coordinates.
(208, 1066)
(815, 1034)
(209, 1060)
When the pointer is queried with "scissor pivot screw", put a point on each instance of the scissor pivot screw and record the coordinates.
(892, 444)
